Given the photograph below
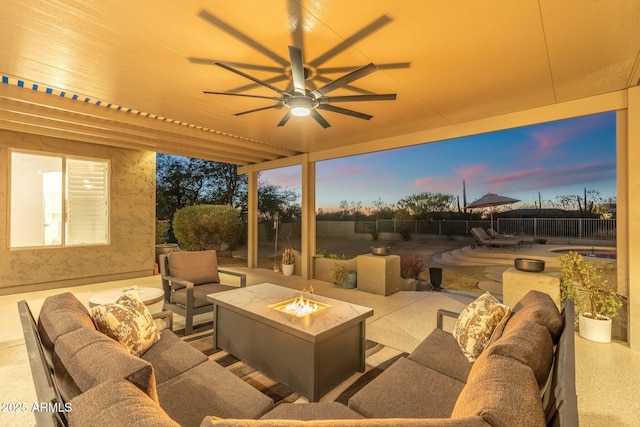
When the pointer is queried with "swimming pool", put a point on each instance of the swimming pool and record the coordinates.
(590, 251)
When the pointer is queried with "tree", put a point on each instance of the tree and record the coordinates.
(585, 204)
(425, 204)
(381, 210)
(273, 199)
(184, 181)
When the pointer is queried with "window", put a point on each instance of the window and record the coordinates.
(58, 200)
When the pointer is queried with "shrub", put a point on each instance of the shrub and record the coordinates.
(162, 231)
(202, 227)
(411, 266)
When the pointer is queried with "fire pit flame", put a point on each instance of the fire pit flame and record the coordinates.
(299, 306)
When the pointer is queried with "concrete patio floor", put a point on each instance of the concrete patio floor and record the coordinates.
(607, 374)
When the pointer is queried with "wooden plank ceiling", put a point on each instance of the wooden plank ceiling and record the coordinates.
(132, 73)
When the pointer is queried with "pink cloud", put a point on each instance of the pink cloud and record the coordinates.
(471, 172)
(438, 184)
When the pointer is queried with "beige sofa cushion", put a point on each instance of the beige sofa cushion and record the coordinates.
(440, 351)
(60, 314)
(127, 321)
(198, 266)
(537, 307)
(479, 324)
(407, 389)
(117, 403)
(311, 411)
(530, 344)
(367, 422)
(503, 391)
(85, 358)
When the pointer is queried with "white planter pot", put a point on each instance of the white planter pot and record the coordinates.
(595, 329)
(287, 269)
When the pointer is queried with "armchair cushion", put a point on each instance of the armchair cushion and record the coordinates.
(127, 321)
(198, 266)
(199, 294)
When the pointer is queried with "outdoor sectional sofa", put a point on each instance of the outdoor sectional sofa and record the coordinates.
(526, 377)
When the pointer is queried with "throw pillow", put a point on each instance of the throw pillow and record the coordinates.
(479, 324)
(127, 321)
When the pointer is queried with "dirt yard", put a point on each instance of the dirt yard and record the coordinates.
(454, 277)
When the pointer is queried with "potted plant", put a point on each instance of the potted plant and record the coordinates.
(288, 261)
(595, 301)
(344, 276)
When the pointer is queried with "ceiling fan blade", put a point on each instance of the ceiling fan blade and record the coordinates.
(391, 66)
(350, 41)
(296, 23)
(297, 69)
(325, 124)
(255, 85)
(345, 111)
(348, 87)
(217, 22)
(275, 98)
(285, 119)
(278, 105)
(253, 79)
(346, 79)
(357, 98)
(206, 61)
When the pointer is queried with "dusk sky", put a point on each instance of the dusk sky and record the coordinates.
(556, 158)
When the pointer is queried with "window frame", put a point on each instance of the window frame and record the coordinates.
(64, 198)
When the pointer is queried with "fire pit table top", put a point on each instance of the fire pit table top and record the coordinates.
(258, 301)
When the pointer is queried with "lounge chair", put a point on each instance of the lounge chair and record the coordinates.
(529, 240)
(481, 237)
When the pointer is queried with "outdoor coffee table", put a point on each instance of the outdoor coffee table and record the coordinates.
(310, 354)
(151, 297)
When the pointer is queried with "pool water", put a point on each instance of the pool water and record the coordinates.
(590, 253)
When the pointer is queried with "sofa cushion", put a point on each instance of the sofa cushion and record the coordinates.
(127, 321)
(198, 266)
(407, 389)
(474, 421)
(60, 314)
(84, 358)
(311, 411)
(171, 356)
(538, 307)
(440, 351)
(480, 323)
(503, 391)
(530, 344)
(117, 403)
(209, 389)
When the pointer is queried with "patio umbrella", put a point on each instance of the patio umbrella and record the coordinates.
(490, 200)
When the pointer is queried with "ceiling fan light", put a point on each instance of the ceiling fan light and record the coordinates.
(300, 111)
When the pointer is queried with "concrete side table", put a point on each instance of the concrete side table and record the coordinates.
(516, 283)
(379, 274)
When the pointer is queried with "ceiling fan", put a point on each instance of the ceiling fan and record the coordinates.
(303, 102)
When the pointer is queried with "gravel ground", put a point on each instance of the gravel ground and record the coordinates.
(454, 277)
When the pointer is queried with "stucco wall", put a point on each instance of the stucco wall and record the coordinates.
(130, 252)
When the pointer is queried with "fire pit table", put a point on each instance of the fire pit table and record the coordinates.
(311, 351)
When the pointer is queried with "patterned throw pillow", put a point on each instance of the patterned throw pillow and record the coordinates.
(479, 324)
(127, 321)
